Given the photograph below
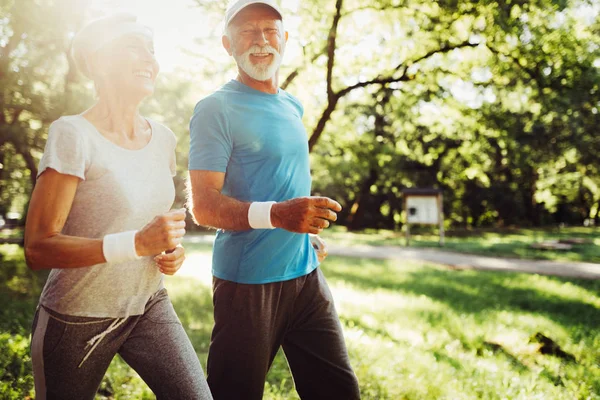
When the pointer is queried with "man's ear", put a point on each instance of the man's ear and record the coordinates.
(227, 44)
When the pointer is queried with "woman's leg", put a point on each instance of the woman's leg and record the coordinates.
(65, 364)
(160, 351)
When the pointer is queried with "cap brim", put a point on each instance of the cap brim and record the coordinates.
(253, 3)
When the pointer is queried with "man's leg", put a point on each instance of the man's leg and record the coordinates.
(314, 345)
(160, 351)
(249, 321)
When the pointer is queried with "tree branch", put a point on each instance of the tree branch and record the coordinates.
(15, 117)
(290, 78)
(382, 80)
(331, 47)
(334, 97)
(532, 74)
(375, 8)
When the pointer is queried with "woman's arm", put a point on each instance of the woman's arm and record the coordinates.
(46, 247)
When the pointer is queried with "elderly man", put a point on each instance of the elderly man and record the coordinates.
(250, 178)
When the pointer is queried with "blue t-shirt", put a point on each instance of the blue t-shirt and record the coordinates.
(258, 140)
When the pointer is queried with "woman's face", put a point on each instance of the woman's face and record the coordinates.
(129, 65)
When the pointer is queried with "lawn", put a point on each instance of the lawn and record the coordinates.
(414, 331)
(502, 243)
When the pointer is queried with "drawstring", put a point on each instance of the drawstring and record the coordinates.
(95, 341)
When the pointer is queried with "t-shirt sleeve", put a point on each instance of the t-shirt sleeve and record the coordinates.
(64, 151)
(210, 140)
(297, 104)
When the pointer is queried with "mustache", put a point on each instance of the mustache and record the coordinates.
(262, 49)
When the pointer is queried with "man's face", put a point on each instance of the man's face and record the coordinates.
(256, 41)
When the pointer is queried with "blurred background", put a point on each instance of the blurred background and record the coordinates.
(495, 103)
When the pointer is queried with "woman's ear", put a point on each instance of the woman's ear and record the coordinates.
(95, 64)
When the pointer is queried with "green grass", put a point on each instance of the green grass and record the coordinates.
(502, 243)
(413, 332)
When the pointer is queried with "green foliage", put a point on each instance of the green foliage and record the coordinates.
(503, 123)
(19, 289)
(37, 85)
(495, 102)
(16, 379)
(413, 332)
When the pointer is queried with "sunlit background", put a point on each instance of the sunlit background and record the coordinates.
(494, 103)
(178, 23)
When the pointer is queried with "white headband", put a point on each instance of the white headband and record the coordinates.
(99, 33)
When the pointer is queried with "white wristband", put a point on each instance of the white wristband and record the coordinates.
(259, 215)
(120, 247)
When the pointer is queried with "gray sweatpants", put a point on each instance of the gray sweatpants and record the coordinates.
(71, 354)
(253, 321)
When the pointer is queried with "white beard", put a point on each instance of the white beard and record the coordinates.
(259, 72)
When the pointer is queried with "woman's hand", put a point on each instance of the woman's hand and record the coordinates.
(164, 232)
(171, 261)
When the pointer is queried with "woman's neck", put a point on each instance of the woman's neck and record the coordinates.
(117, 115)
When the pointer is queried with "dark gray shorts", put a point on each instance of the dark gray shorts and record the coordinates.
(71, 354)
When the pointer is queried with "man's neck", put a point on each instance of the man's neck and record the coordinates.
(270, 86)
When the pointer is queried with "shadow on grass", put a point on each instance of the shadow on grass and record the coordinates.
(474, 292)
(517, 248)
(369, 330)
(497, 349)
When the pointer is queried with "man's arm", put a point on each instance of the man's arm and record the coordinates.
(211, 208)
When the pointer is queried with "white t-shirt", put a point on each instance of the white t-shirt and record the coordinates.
(120, 190)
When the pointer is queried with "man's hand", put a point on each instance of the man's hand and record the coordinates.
(320, 246)
(171, 261)
(305, 214)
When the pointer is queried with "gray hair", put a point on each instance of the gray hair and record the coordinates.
(100, 32)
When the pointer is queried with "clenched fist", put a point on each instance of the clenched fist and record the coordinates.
(164, 232)
(171, 261)
(305, 214)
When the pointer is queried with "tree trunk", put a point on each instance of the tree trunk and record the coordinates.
(355, 219)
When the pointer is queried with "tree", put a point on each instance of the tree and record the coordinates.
(37, 85)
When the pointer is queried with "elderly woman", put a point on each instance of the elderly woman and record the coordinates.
(99, 219)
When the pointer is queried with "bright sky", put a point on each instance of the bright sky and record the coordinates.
(176, 23)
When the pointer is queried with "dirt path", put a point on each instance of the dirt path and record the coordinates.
(453, 259)
(471, 261)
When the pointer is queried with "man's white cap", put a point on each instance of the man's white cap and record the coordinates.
(236, 7)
